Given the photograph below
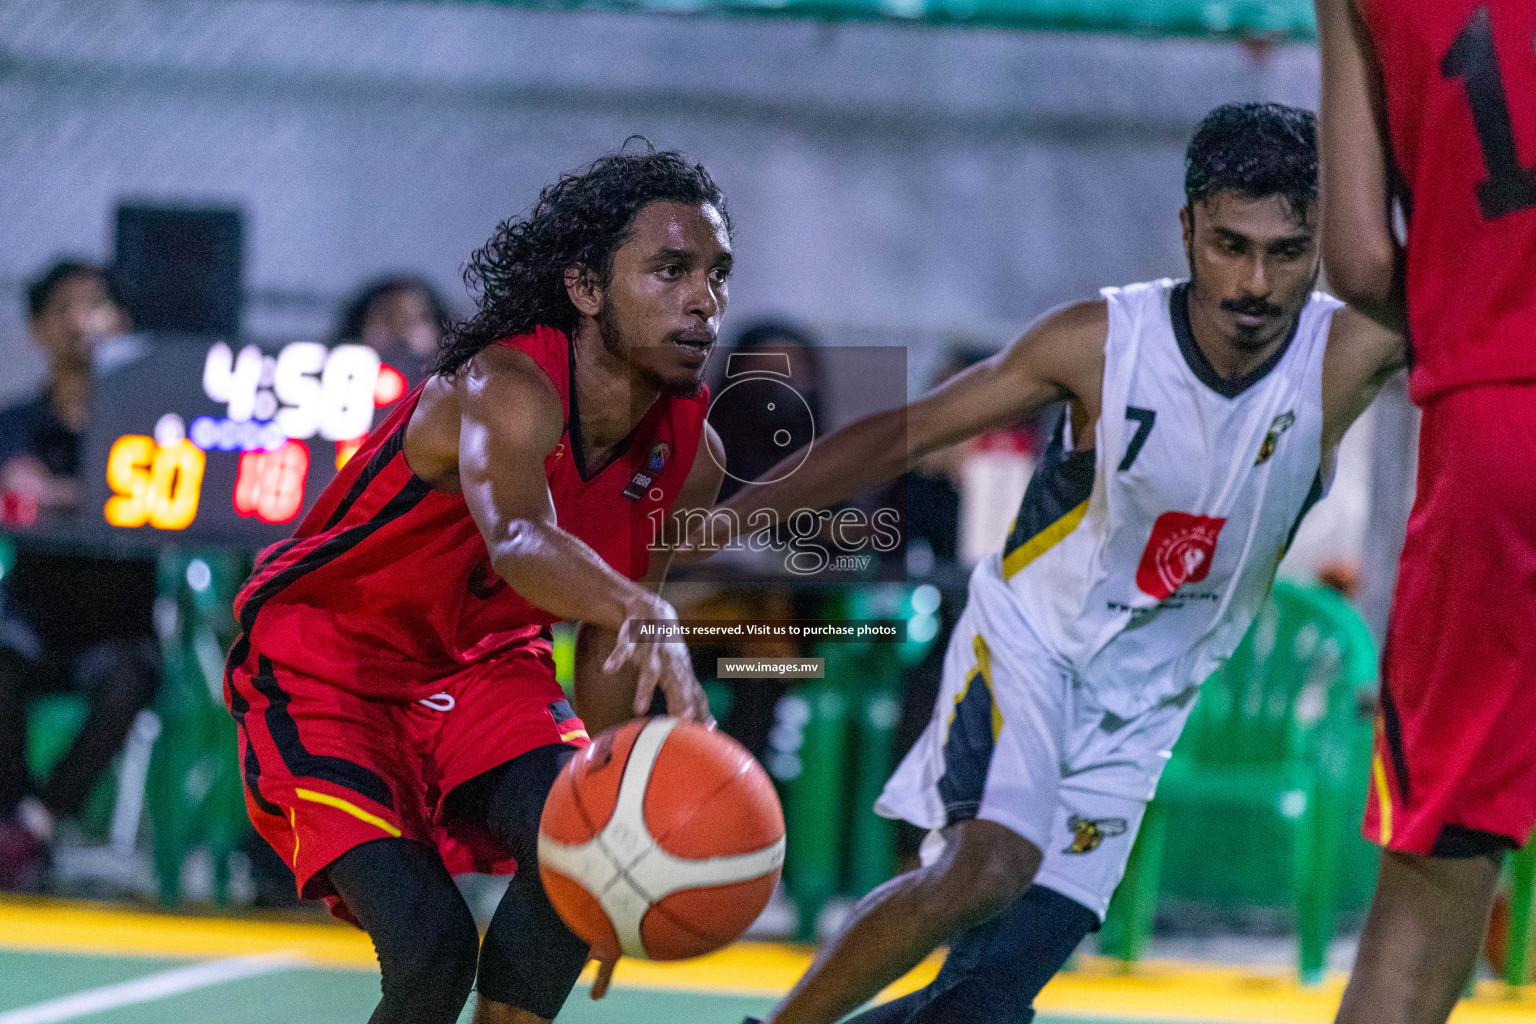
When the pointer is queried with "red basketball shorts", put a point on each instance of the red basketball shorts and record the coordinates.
(1454, 771)
(326, 769)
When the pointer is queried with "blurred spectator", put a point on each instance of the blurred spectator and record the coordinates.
(68, 621)
(396, 315)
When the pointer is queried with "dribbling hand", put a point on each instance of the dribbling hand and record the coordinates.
(659, 663)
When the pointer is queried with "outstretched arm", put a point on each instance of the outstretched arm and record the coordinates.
(1361, 255)
(510, 419)
(1057, 358)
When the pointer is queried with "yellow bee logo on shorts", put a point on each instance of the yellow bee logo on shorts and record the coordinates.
(1087, 834)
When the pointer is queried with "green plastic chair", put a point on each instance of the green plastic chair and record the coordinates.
(1519, 942)
(845, 727)
(1273, 734)
(194, 795)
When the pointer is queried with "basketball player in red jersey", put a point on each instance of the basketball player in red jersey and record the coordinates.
(1434, 105)
(398, 711)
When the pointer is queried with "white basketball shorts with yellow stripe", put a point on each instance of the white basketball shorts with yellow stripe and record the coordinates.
(1016, 740)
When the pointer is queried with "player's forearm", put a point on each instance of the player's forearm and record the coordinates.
(555, 571)
(862, 455)
(892, 930)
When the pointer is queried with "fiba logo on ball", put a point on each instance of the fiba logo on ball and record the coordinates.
(1179, 552)
(760, 418)
(662, 840)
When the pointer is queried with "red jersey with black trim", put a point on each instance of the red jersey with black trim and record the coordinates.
(387, 585)
(1460, 84)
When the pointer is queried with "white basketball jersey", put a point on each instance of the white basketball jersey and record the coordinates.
(1142, 562)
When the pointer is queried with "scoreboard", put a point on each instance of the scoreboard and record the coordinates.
(226, 443)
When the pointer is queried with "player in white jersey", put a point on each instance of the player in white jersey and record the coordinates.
(1200, 424)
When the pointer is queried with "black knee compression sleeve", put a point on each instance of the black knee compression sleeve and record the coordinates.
(424, 934)
(530, 960)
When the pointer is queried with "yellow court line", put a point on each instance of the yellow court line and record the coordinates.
(1095, 987)
(97, 928)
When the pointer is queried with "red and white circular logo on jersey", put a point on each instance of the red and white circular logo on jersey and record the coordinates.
(1179, 552)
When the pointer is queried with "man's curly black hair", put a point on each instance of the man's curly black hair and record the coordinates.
(1256, 150)
(582, 219)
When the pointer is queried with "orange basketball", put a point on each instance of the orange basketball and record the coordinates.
(661, 840)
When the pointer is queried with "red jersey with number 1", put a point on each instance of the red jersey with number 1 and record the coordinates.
(1460, 82)
(387, 585)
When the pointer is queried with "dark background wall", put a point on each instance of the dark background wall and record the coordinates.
(890, 184)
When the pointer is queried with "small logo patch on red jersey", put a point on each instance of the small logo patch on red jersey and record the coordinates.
(1179, 552)
(654, 464)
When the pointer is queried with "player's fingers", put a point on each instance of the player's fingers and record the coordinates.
(676, 690)
(604, 978)
(698, 707)
(700, 698)
(623, 650)
(687, 700)
(645, 685)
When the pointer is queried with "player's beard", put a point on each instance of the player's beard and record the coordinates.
(613, 343)
(1241, 340)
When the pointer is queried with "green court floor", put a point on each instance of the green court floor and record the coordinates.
(305, 995)
(108, 964)
(302, 994)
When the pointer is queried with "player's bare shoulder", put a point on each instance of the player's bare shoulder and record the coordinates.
(500, 388)
(1066, 348)
(1361, 355)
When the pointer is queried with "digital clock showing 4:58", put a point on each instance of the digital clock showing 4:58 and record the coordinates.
(229, 443)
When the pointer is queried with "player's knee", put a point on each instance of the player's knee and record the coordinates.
(530, 960)
(985, 869)
(441, 952)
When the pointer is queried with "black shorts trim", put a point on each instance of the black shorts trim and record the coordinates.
(1458, 842)
(300, 762)
(251, 770)
(1392, 728)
